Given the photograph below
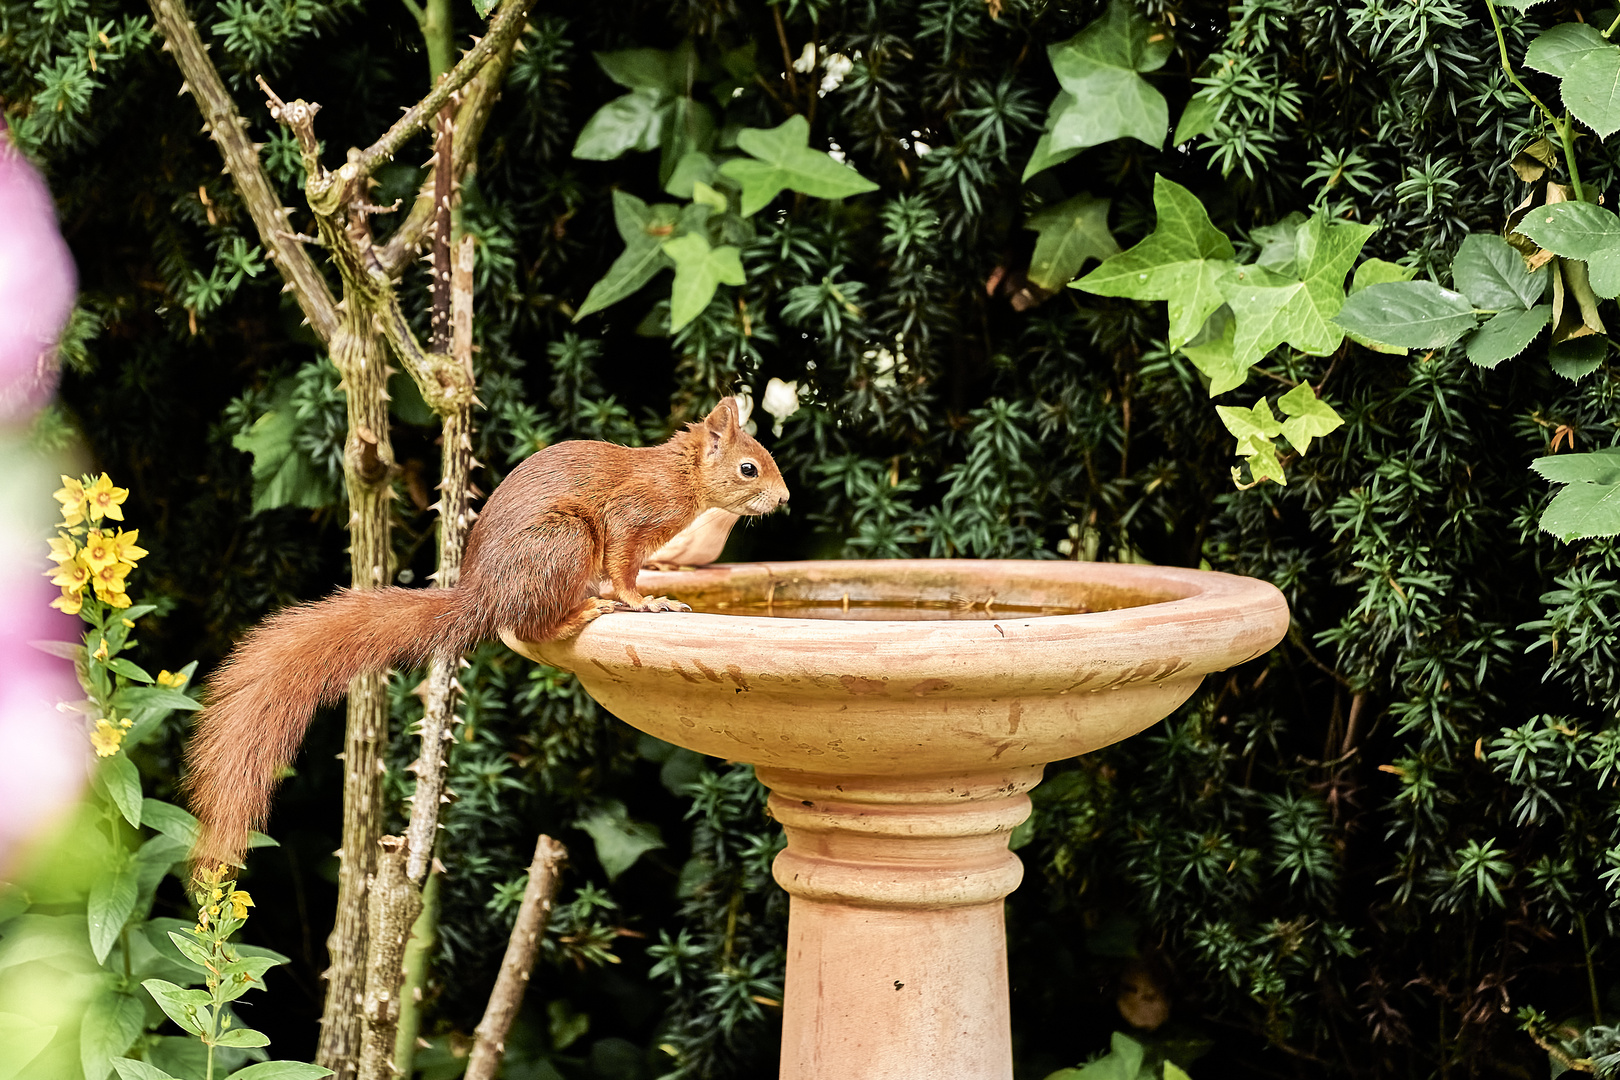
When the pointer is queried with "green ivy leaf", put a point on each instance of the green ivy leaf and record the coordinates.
(1211, 353)
(688, 128)
(113, 1021)
(694, 166)
(282, 474)
(619, 840)
(634, 121)
(1506, 335)
(112, 902)
(666, 72)
(699, 271)
(1379, 272)
(1555, 49)
(1252, 426)
(1100, 67)
(785, 160)
(1044, 157)
(1279, 245)
(1182, 261)
(644, 229)
(1409, 314)
(1069, 233)
(1299, 313)
(1309, 417)
(1198, 118)
(1591, 90)
(1493, 275)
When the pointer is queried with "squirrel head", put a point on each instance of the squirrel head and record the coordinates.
(734, 471)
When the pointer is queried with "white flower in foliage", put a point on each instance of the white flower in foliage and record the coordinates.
(781, 401)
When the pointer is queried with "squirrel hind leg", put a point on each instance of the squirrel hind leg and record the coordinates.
(588, 612)
(547, 583)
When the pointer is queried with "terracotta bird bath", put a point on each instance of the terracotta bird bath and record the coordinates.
(899, 711)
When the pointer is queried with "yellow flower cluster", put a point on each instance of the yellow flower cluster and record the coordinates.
(108, 735)
(220, 894)
(87, 554)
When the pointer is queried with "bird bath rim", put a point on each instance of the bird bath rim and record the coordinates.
(893, 697)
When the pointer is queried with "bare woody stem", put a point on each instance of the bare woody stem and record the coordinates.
(228, 129)
(394, 905)
(513, 980)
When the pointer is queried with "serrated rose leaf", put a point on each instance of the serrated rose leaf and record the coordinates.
(1506, 335)
(1583, 511)
(1592, 90)
(1575, 230)
(1493, 275)
(1576, 358)
(1598, 467)
(1409, 314)
(1555, 49)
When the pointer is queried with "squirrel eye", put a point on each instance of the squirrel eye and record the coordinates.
(748, 469)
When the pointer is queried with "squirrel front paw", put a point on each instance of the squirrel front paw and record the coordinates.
(663, 603)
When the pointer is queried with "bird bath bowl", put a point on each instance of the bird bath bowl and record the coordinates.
(899, 711)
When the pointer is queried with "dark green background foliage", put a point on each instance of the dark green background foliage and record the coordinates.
(1358, 855)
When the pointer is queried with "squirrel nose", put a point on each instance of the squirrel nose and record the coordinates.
(783, 500)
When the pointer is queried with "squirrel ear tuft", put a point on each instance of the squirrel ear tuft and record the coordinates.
(724, 416)
(720, 425)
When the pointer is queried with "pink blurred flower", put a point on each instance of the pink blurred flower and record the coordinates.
(37, 285)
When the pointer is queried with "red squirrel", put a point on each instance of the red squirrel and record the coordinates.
(562, 521)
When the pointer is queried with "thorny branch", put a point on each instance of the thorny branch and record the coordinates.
(503, 32)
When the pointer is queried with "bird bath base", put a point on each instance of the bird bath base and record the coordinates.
(899, 734)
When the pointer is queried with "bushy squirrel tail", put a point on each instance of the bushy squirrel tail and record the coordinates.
(262, 699)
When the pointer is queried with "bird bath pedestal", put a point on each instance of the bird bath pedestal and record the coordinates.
(899, 711)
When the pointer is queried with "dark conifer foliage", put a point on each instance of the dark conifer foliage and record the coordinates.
(1360, 855)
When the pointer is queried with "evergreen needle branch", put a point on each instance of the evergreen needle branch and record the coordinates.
(228, 129)
(533, 915)
(1564, 127)
(503, 31)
